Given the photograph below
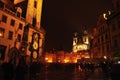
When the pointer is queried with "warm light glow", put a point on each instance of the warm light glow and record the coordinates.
(66, 60)
(104, 15)
(87, 56)
(1, 34)
(105, 57)
(34, 54)
(46, 58)
(75, 61)
(82, 47)
(35, 45)
(17, 1)
(87, 41)
(49, 61)
(109, 12)
(118, 62)
(74, 43)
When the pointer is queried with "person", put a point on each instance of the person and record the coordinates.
(8, 69)
(21, 70)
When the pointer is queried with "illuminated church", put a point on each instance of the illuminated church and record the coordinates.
(81, 43)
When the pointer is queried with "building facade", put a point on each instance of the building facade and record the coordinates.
(101, 41)
(114, 24)
(107, 33)
(20, 29)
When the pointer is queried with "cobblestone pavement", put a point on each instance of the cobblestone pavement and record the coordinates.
(65, 75)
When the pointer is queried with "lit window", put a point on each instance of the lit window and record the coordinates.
(4, 18)
(10, 35)
(2, 32)
(12, 23)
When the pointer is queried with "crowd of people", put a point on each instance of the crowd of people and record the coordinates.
(22, 71)
(12, 71)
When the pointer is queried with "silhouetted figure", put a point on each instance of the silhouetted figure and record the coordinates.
(21, 70)
(8, 69)
(33, 70)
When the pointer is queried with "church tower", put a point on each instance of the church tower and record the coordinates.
(33, 37)
(33, 14)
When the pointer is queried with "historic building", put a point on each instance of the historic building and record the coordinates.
(107, 33)
(81, 43)
(101, 41)
(113, 22)
(20, 29)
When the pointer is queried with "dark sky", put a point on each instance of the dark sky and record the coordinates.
(61, 18)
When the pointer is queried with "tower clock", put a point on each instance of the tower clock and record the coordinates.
(35, 46)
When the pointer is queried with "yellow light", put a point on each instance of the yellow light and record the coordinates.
(104, 15)
(105, 57)
(34, 54)
(66, 60)
(35, 45)
(109, 12)
(17, 1)
(46, 58)
(1, 34)
(50, 61)
(82, 47)
(75, 61)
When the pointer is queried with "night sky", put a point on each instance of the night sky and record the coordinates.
(61, 18)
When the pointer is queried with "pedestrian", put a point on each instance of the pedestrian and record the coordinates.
(21, 70)
(8, 69)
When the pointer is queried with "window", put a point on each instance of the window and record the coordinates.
(20, 26)
(10, 35)
(1, 5)
(2, 52)
(34, 22)
(18, 14)
(35, 4)
(19, 37)
(2, 32)
(12, 23)
(4, 18)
